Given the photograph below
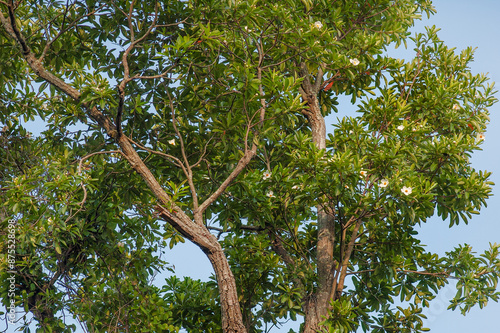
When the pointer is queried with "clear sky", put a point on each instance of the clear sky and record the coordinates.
(466, 23)
(463, 23)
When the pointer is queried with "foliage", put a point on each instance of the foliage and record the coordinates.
(217, 99)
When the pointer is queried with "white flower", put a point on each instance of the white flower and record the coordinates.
(295, 187)
(270, 194)
(401, 127)
(406, 190)
(247, 30)
(363, 173)
(351, 132)
(266, 175)
(120, 244)
(171, 142)
(354, 61)
(383, 183)
(318, 25)
(480, 137)
(456, 107)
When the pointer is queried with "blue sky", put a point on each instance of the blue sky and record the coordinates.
(466, 23)
(463, 23)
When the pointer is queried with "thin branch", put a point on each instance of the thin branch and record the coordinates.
(284, 60)
(133, 43)
(342, 269)
(83, 185)
(119, 112)
(247, 157)
(96, 153)
(12, 29)
(63, 30)
(175, 159)
(158, 76)
(279, 249)
(242, 163)
(129, 21)
(419, 70)
(202, 154)
(435, 274)
(187, 168)
(242, 227)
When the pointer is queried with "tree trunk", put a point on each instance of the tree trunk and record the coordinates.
(232, 319)
(312, 317)
(317, 305)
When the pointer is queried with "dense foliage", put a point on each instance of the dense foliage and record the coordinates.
(205, 120)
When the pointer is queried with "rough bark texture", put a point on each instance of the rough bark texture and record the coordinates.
(317, 305)
(232, 320)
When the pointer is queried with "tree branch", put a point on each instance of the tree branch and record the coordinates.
(182, 221)
(187, 167)
(405, 271)
(63, 30)
(342, 269)
(177, 162)
(242, 163)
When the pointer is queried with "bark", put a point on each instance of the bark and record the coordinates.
(317, 305)
(232, 320)
(311, 315)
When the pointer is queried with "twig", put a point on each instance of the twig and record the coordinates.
(82, 184)
(177, 161)
(187, 167)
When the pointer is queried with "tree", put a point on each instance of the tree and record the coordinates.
(205, 120)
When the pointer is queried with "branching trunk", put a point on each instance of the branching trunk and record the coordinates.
(232, 320)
